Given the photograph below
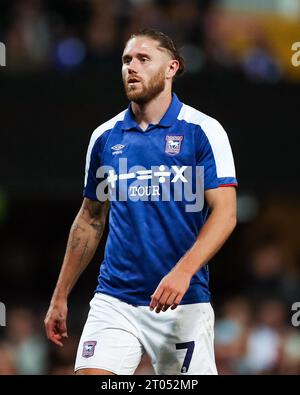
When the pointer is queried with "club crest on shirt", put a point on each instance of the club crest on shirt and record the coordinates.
(173, 144)
(88, 348)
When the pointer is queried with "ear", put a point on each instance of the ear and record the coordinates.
(172, 68)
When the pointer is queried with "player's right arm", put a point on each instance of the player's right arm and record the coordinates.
(84, 237)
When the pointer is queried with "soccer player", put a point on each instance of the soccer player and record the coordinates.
(153, 292)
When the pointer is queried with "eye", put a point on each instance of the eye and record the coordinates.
(126, 61)
(144, 59)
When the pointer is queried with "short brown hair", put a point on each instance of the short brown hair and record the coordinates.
(164, 42)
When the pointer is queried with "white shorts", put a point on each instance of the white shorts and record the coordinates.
(116, 335)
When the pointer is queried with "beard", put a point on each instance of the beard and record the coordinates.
(144, 93)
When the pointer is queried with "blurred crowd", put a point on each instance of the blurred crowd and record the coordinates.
(44, 34)
(253, 329)
(254, 332)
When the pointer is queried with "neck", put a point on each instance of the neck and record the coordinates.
(152, 111)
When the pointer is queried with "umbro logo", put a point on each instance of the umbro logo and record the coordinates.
(117, 149)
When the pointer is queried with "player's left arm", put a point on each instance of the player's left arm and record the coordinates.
(213, 234)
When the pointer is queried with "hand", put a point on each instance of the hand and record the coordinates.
(170, 290)
(55, 322)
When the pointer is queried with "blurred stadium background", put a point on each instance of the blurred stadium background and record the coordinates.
(62, 79)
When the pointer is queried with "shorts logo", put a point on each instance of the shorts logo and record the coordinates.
(88, 349)
(173, 144)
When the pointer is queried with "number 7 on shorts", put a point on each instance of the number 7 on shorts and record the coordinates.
(188, 356)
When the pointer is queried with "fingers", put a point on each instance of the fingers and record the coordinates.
(176, 302)
(63, 329)
(159, 307)
(54, 336)
(56, 339)
(156, 297)
(162, 303)
(169, 292)
(169, 302)
(56, 331)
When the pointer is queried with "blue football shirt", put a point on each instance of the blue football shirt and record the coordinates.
(150, 228)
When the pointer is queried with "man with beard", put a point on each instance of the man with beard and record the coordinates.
(153, 290)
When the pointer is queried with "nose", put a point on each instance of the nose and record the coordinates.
(132, 67)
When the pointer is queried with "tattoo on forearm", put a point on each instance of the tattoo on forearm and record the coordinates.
(99, 229)
(96, 209)
(88, 224)
(84, 250)
(75, 235)
(78, 227)
(75, 242)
